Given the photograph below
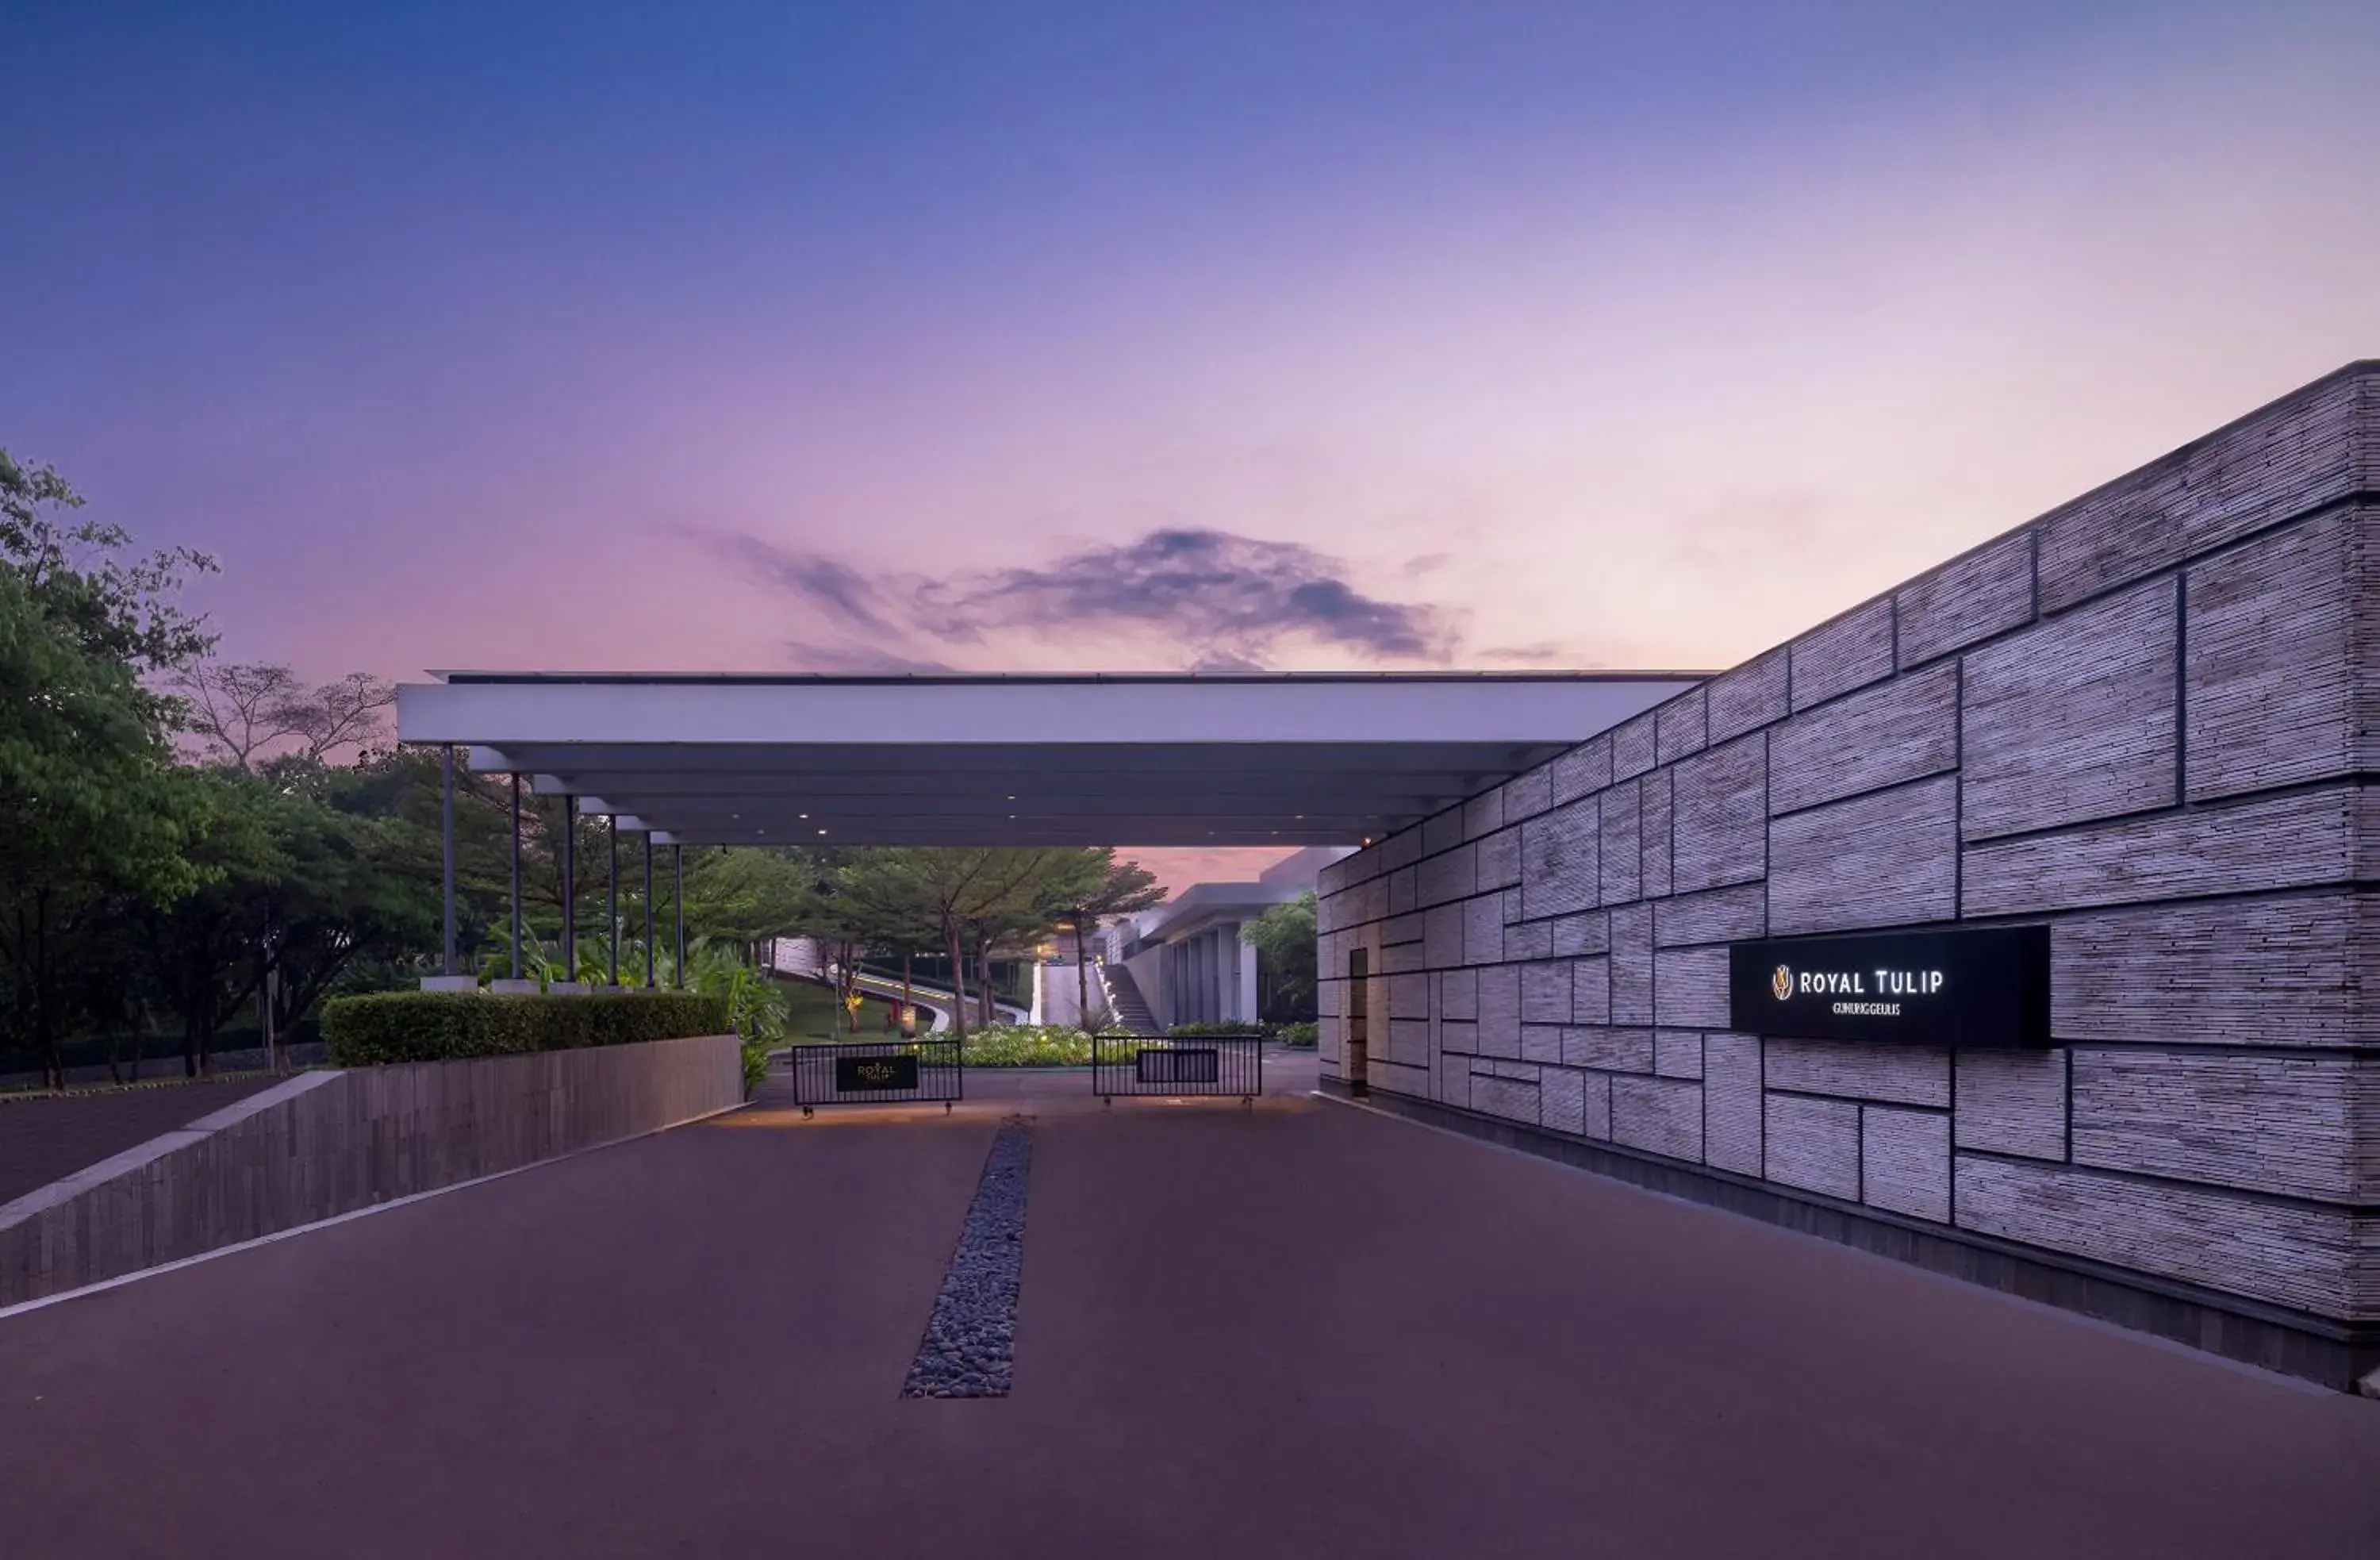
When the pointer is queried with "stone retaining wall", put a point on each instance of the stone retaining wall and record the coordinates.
(2147, 719)
(326, 1143)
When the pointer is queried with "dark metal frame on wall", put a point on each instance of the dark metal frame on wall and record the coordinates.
(878, 1072)
(1170, 1067)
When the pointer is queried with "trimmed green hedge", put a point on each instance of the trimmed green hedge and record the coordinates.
(441, 1026)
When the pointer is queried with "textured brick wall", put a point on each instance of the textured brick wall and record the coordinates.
(2148, 719)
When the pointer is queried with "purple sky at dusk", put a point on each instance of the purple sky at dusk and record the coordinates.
(1121, 337)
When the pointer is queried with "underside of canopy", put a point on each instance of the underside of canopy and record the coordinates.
(1185, 759)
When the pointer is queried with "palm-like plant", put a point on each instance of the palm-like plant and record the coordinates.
(536, 963)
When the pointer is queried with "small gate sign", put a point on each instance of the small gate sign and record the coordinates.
(1199, 1064)
(867, 1075)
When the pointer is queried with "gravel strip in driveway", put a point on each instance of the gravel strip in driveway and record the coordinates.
(970, 1344)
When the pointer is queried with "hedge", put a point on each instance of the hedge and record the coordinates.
(441, 1026)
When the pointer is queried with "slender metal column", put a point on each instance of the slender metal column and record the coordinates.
(677, 860)
(611, 897)
(516, 904)
(649, 910)
(446, 849)
(570, 888)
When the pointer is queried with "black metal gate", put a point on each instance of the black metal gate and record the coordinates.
(878, 1072)
(1171, 1065)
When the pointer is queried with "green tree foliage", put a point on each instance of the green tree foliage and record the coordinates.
(1113, 888)
(970, 896)
(181, 836)
(1284, 939)
(750, 894)
(970, 901)
(91, 810)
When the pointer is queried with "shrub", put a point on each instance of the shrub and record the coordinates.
(1299, 1036)
(441, 1026)
(1027, 1045)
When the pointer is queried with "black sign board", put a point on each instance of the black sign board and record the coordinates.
(1982, 987)
(863, 1075)
(1186, 1065)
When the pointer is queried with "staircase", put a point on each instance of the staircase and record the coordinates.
(1125, 1002)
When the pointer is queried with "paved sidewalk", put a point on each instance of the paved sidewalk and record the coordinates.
(1284, 1332)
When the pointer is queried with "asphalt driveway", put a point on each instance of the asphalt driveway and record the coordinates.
(1299, 1330)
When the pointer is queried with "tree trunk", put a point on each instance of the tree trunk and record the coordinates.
(1081, 978)
(850, 985)
(958, 981)
(53, 1061)
(983, 981)
(908, 1004)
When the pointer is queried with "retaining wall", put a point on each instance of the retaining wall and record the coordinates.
(326, 1143)
(2149, 719)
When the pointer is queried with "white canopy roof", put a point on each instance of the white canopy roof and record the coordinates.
(1191, 759)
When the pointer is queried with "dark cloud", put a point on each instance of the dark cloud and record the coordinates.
(1542, 652)
(1224, 595)
(1231, 601)
(1224, 661)
(806, 656)
(842, 589)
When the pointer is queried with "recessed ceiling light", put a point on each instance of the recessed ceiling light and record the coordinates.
(821, 831)
(803, 816)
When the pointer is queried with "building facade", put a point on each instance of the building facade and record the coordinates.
(1186, 955)
(2148, 721)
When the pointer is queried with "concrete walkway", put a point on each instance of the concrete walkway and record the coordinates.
(1280, 1331)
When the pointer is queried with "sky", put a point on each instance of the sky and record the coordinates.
(1132, 337)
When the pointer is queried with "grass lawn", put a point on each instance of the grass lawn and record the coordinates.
(814, 1014)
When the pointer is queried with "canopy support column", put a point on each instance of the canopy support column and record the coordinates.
(677, 860)
(649, 910)
(570, 888)
(446, 861)
(516, 880)
(611, 898)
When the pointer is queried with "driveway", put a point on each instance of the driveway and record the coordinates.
(1299, 1330)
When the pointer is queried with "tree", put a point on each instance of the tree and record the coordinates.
(90, 809)
(752, 893)
(242, 714)
(962, 891)
(351, 889)
(861, 904)
(116, 607)
(201, 948)
(1283, 938)
(1121, 888)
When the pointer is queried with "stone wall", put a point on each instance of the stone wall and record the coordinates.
(2148, 719)
(326, 1143)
